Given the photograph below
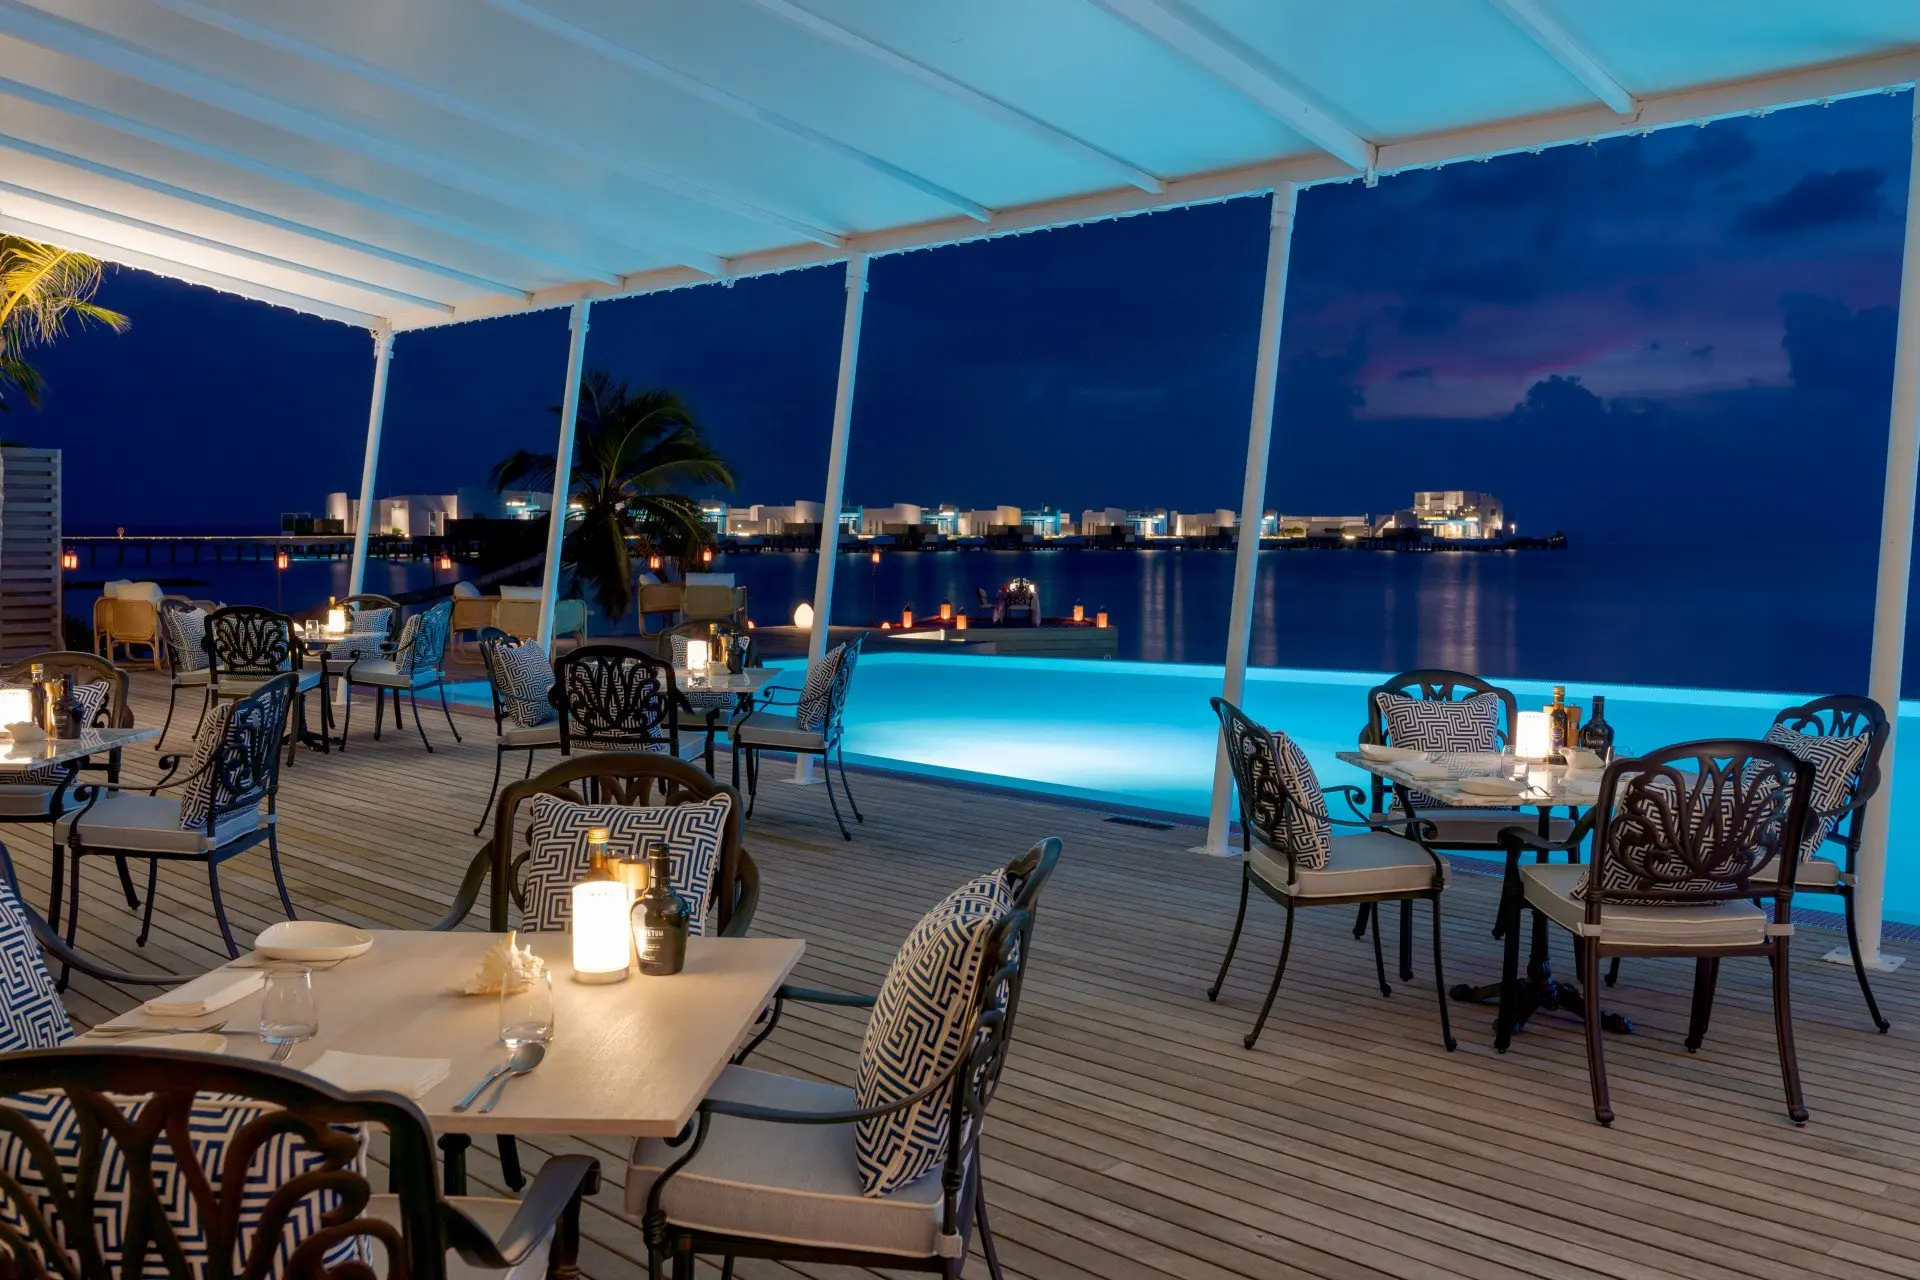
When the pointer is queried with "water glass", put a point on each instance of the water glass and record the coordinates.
(289, 1012)
(526, 1015)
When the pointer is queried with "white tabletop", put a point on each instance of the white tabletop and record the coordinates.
(18, 757)
(751, 680)
(629, 1058)
(1546, 785)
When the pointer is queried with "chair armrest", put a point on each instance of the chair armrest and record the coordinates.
(1517, 839)
(840, 999)
(468, 893)
(556, 1191)
(781, 1115)
(56, 946)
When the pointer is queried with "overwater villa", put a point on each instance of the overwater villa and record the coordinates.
(484, 945)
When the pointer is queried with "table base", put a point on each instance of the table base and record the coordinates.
(1539, 991)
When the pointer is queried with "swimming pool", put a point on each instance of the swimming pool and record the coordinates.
(1141, 735)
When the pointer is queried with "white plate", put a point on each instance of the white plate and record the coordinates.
(192, 1041)
(1378, 751)
(1491, 786)
(311, 940)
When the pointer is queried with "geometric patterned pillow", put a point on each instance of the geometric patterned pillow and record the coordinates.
(557, 852)
(1305, 827)
(526, 678)
(196, 794)
(1658, 824)
(918, 1030)
(186, 629)
(33, 1016)
(214, 1122)
(370, 621)
(1836, 762)
(811, 714)
(1434, 724)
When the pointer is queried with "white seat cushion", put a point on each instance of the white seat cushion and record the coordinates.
(1811, 873)
(382, 672)
(764, 729)
(492, 1214)
(27, 802)
(195, 678)
(540, 735)
(149, 824)
(1550, 887)
(241, 686)
(794, 1183)
(1462, 827)
(1372, 862)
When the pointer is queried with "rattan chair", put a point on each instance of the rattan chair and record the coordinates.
(1389, 858)
(1676, 836)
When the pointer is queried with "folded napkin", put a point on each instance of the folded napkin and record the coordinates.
(206, 993)
(1427, 770)
(359, 1072)
(1376, 751)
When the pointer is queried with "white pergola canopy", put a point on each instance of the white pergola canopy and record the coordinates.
(399, 165)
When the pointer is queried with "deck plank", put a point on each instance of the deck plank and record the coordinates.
(1134, 1138)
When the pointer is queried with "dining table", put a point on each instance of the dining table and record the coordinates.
(751, 680)
(629, 1059)
(1466, 780)
(19, 755)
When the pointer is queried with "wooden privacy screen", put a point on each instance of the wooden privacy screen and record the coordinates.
(29, 552)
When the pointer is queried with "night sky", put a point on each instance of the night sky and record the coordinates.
(1723, 297)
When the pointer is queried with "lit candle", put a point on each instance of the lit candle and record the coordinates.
(601, 946)
(1100, 618)
(1532, 736)
(337, 621)
(960, 622)
(946, 611)
(1079, 612)
(906, 617)
(697, 656)
(16, 706)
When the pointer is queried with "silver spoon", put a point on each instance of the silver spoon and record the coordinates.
(523, 1059)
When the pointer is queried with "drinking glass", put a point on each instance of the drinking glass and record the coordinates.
(289, 1013)
(526, 1015)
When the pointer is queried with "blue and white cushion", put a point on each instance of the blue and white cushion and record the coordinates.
(557, 852)
(811, 714)
(214, 1123)
(196, 795)
(1439, 724)
(363, 622)
(1303, 826)
(526, 679)
(1836, 761)
(33, 1016)
(919, 1030)
(186, 630)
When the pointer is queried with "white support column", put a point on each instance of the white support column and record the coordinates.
(836, 478)
(1890, 592)
(1253, 501)
(376, 417)
(563, 470)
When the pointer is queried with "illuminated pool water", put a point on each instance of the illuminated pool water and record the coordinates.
(1141, 734)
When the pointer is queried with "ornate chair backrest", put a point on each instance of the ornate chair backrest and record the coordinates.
(613, 698)
(1845, 715)
(1689, 824)
(186, 648)
(244, 768)
(1264, 797)
(423, 640)
(236, 1113)
(1438, 685)
(1020, 594)
(244, 640)
(85, 668)
(737, 634)
(625, 778)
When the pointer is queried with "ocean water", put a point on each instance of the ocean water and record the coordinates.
(1792, 615)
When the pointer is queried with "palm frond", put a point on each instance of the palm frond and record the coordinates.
(42, 288)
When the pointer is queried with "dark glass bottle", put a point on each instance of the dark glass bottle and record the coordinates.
(65, 716)
(1597, 735)
(660, 920)
(1557, 722)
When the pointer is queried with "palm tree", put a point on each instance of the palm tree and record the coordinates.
(632, 450)
(42, 288)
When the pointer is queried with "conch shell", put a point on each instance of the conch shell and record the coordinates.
(505, 967)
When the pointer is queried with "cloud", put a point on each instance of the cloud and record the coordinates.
(1833, 348)
(1419, 373)
(1719, 148)
(1704, 352)
(1817, 200)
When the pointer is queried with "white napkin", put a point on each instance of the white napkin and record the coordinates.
(1377, 751)
(1426, 770)
(206, 993)
(359, 1072)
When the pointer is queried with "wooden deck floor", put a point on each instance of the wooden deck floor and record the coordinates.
(1134, 1139)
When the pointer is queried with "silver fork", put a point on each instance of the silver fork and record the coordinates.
(209, 1029)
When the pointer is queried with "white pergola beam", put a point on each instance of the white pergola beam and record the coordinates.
(1852, 78)
(183, 271)
(546, 140)
(370, 468)
(62, 36)
(563, 472)
(980, 103)
(507, 293)
(1559, 44)
(215, 246)
(1225, 59)
(459, 230)
(580, 37)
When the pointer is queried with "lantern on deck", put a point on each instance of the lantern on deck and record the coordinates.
(946, 611)
(69, 559)
(1100, 618)
(601, 945)
(445, 562)
(281, 559)
(1079, 612)
(960, 622)
(906, 617)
